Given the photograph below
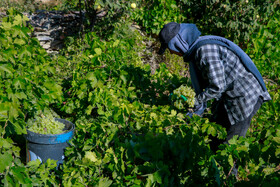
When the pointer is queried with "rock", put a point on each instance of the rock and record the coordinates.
(39, 29)
(44, 38)
(46, 46)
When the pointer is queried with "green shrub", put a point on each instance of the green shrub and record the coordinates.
(216, 17)
(265, 47)
(235, 20)
(26, 74)
(152, 15)
(27, 86)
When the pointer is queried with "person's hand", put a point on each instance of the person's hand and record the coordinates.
(190, 114)
(198, 109)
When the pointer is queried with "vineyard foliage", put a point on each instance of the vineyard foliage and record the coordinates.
(127, 131)
(215, 17)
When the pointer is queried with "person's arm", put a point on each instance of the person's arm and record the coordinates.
(209, 63)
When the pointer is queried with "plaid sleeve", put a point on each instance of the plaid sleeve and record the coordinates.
(212, 69)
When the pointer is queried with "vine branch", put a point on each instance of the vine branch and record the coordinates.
(6, 123)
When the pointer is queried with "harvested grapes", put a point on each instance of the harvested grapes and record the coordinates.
(183, 97)
(45, 125)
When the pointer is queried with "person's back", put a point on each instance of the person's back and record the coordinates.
(230, 81)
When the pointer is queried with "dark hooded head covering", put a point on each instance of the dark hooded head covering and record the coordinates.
(178, 37)
(166, 34)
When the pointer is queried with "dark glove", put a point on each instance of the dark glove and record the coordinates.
(198, 109)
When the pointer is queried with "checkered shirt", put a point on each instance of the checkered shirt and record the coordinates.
(226, 78)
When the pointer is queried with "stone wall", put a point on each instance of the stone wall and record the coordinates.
(52, 27)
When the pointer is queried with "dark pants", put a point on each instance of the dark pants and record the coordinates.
(240, 128)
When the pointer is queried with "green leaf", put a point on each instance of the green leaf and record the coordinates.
(211, 130)
(173, 113)
(116, 43)
(6, 25)
(268, 170)
(123, 79)
(3, 110)
(97, 51)
(34, 163)
(17, 20)
(217, 171)
(91, 76)
(6, 67)
(242, 148)
(276, 139)
(205, 127)
(89, 109)
(51, 163)
(233, 140)
(100, 110)
(20, 175)
(5, 144)
(230, 160)
(173, 6)
(19, 83)
(153, 115)
(277, 152)
(104, 182)
(19, 41)
(154, 178)
(13, 112)
(25, 18)
(264, 149)
(8, 181)
(157, 177)
(5, 160)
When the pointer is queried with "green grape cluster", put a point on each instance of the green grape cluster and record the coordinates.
(184, 92)
(45, 125)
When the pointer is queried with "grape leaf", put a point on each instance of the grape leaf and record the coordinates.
(98, 51)
(5, 160)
